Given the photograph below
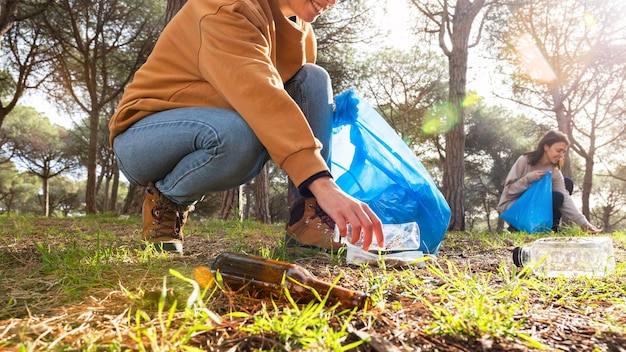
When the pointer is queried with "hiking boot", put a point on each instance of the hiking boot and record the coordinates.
(163, 221)
(310, 227)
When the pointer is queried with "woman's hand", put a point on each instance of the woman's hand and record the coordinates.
(535, 175)
(344, 209)
(591, 229)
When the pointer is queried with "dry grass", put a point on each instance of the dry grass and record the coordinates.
(83, 284)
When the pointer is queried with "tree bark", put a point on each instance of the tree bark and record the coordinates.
(229, 204)
(173, 6)
(246, 198)
(563, 121)
(114, 186)
(465, 11)
(134, 200)
(261, 193)
(46, 196)
(588, 177)
(92, 158)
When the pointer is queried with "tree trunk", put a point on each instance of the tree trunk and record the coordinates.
(105, 193)
(606, 218)
(246, 194)
(92, 164)
(46, 195)
(454, 167)
(465, 12)
(587, 184)
(114, 188)
(453, 177)
(588, 177)
(240, 198)
(229, 204)
(134, 200)
(173, 6)
(261, 193)
(563, 121)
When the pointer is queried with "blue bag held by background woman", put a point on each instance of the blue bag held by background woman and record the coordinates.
(532, 211)
(373, 164)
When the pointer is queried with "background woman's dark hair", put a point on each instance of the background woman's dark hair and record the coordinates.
(548, 139)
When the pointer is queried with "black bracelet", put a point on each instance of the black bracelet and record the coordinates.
(304, 187)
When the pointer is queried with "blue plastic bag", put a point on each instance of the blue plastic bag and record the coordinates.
(372, 163)
(532, 211)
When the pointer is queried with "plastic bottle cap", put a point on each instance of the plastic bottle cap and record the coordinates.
(517, 257)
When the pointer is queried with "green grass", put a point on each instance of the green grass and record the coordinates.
(84, 284)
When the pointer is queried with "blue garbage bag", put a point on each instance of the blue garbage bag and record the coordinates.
(532, 211)
(373, 164)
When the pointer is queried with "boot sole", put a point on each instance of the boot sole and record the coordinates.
(292, 243)
(161, 247)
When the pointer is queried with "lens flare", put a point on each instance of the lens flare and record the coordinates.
(204, 276)
(440, 118)
(590, 20)
(532, 60)
(471, 99)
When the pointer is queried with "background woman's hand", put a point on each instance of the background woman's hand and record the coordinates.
(344, 209)
(591, 229)
(535, 175)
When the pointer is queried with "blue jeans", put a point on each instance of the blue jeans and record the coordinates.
(189, 152)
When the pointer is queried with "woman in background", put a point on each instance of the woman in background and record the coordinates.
(548, 156)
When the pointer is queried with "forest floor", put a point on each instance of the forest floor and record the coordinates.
(84, 284)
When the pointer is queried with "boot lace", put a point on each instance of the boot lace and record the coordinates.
(166, 222)
(325, 219)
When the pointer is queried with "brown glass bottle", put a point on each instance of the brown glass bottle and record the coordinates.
(264, 277)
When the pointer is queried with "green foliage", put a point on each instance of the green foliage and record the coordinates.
(405, 86)
(6, 81)
(39, 145)
(18, 191)
(339, 31)
(42, 152)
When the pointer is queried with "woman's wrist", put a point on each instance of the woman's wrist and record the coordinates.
(321, 184)
(305, 187)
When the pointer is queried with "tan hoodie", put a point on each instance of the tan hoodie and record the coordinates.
(231, 54)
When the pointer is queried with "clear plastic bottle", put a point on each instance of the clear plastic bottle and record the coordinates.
(568, 256)
(398, 238)
(266, 277)
(402, 244)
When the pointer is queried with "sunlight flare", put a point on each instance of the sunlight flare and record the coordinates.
(533, 61)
